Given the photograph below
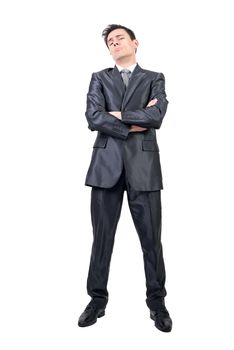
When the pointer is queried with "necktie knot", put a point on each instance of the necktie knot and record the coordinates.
(125, 73)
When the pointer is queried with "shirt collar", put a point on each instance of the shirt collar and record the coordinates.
(131, 68)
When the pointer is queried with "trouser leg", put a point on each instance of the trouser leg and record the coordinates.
(145, 208)
(106, 207)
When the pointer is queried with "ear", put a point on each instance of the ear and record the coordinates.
(136, 42)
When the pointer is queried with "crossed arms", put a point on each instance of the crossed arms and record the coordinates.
(119, 124)
(134, 128)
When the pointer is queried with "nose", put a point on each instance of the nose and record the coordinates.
(116, 43)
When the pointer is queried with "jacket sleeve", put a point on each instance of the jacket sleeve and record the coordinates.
(150, 117)
(98, 119)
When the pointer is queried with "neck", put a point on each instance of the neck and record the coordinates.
(125, 61)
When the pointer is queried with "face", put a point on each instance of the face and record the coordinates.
(120, 44)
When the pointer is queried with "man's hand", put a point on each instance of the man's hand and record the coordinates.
(152, 102)
(116, 114)
(135, 128)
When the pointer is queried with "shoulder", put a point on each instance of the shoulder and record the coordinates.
(154, 74)
(103, 72)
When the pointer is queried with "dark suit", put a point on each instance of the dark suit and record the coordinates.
(123, 160)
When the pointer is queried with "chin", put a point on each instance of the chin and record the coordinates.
(119, 57)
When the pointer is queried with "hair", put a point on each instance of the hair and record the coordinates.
(112, 27)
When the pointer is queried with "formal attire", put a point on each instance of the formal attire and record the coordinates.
(126, 161)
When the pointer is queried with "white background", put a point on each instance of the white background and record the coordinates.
(49, 50)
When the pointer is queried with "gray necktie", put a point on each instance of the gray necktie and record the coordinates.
(125, 73)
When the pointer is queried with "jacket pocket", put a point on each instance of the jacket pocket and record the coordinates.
(150, 145)
(100, 142)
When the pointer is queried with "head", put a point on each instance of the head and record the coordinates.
(121, 42)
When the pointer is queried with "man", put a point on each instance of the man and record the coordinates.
(125, 104)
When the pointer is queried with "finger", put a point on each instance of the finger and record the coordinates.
(152, 102)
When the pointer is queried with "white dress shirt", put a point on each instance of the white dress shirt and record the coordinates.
(131, 68)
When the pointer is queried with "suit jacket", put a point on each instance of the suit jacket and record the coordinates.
(115, 146)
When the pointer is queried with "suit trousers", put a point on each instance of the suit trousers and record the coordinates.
(145, 209)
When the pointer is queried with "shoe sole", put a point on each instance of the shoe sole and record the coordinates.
(166, 330)
(101, 314)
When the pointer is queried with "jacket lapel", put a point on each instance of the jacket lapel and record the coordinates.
(136, 78)
(118, 82)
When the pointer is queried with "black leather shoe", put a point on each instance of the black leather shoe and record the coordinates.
(161, 319)
(90, 315)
